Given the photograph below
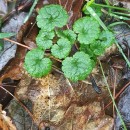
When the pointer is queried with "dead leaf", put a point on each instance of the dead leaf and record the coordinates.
(13, 68)
(50, 95)
(3, 8)
(5, 121)
(20, 117)
(105, 123)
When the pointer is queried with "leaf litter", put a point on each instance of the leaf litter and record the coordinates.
(70, 105)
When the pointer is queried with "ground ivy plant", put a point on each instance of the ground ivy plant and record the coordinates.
(86, 33)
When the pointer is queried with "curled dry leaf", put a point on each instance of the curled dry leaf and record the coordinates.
(5, 121)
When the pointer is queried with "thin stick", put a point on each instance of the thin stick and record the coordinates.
(9, 40)
(70, 85)
(108, 88)
(118, 94)
(114, 85)
(25, 108)
(59, 2)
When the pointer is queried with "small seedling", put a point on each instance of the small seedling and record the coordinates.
(86, 33)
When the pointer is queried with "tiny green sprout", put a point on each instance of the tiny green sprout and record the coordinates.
(62, 49)
(44, 39)
(88, 29)
(77, 67)
(51, 16)
(35, 63)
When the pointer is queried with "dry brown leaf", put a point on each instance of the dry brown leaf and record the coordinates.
(105, 123)
(50, 95)
(5, 121)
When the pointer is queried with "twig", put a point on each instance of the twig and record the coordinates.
(108, 88)
(27, 47)
(25, 108)
(118, 94)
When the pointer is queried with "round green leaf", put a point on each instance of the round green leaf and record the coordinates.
(77, 67)
(67, 34)
(97, 48)
(44, 39)
(107, 38)
(87, 28)
(86, 49)
(51, 16)
(61, 49)
(35, 63)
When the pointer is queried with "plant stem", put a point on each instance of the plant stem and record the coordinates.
(121, 51)
(108, 88)
(123, 14)
(107, 2)
(112, 7)
(119, 17)
(31, 10)
(92, 12)
(117, 23)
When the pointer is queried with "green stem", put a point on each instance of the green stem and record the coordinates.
(121, 51)
(112, 7)
(119, 17)
(123, 14)
(118, 23)
(108, 88)
(92, 12)
(107, 2)
(31, 10)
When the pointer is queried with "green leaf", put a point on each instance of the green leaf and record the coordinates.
(4, 35)
(87, 28)
(67, 34)
(35, 63)
(97, 48)
(77, 67)
(62, 49)
(86, 49)
(107, 38)
(51, 16)
(1, 46)
(44, 39)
